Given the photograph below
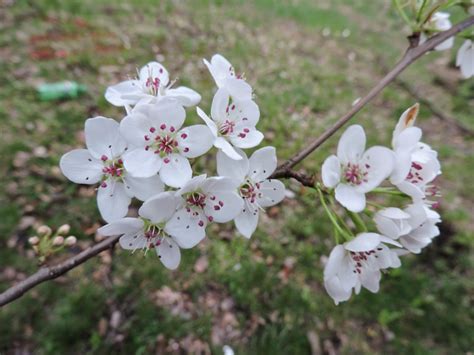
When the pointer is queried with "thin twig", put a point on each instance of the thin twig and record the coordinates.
(412, 54)
(52, 272)
(284, 171)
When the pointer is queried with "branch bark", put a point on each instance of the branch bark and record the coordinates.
(52, 272)
(283, 171)
(411, 55)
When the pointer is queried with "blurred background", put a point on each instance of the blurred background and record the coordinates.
(307, 61)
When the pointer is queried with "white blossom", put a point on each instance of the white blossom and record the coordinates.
(204, 200)
(439, 21)
(414, 227)
(465, 59)
(353, 171)
(256, 190)
(102, 163)
(232, 123)
(159, 143)
(151, 85)
(416, 164)
(358, 263)
(225, 77)
(150, 229)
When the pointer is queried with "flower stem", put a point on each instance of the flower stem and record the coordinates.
(332, 217)
(358, 221)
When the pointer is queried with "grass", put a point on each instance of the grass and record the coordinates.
(259, 296)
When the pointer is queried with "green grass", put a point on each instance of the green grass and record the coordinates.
(259, 296)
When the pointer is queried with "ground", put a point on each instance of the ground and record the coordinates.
(308, 61)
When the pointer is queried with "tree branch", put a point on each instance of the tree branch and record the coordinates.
(411, 55)
(284, 171)
(52, 272)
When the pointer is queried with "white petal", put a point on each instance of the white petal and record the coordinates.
(161, 207)
(135, 127)
(262, 163)
(336, 290)
(246, 137)
(350, 198)
(222, 202)
(370, 279)
(406, 120)
(220, 68)
(113, 201)
(408, 139)
(186, 96)
(175, 170)
(220, 102)
(273, 192)
(379, 163)
(237, 169)
(142, 163)
(363, 242)
(166, 111)
(334, 262)
(238, 89)
(246, 222)
(402, 166)
(169, 253)
(143, 188)
(130, 88)
(154, 70)
(415, 192)
(81, 167)
(133, 241)
(195, 141)
(210, 123)
(244, 112)
(331, 171)
(222, 144)
(103, 137)
(192, 185)
(351, 145)
(387, 227)
(122, 226)
(187, 228)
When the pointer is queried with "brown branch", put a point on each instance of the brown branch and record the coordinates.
(52, 272)
(284, 171)
(412, 54)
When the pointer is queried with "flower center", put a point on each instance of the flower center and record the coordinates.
(249, 191)
(354, 175)
(153, 233)
(113, 169)
(153, 85)
(227, 127)
(162, 141)
(196, 199)
(414, 175)
(361, 258)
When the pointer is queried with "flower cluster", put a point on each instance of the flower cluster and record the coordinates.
(147, 156)
(439, 21)
(410, 166)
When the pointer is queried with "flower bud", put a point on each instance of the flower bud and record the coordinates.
(70, 241)
(64, 229)
(44, 230)
(33, 240)
(57, 241)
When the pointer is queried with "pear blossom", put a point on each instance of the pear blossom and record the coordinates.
(439, 21)
(414, 227)
(159, 143)
(225, 77)
(151, 85)
(204, 200)
(358, 263)
(465, 59)
(256, 190)
(355, 171)
(416, 164)
(233, 123)
(102, 162)
(149, 230)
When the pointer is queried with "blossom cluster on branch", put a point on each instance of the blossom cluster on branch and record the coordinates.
(147, 156)
(410, 166)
